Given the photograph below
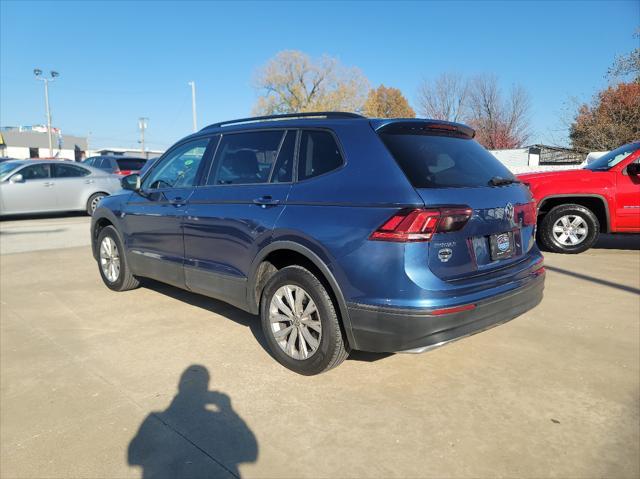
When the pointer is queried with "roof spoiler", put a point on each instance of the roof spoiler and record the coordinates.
(418, 126)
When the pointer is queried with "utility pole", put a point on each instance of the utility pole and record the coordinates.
(143, 122)
(193, 105)
(53, 74)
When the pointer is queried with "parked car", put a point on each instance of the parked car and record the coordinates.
(41, 186)
(117, 165)
(574, 206)
(148, 164)
(341, 232)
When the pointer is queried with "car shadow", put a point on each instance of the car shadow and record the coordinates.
(237, 315)
(42, 216)
(618, 241)
(212, 305)
(198, 435)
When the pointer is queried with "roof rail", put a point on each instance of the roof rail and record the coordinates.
(315, 114)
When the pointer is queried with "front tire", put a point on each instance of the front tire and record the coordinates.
(569, 229)
(300, 322)
(112, 262)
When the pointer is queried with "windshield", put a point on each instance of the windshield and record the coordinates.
(612, 158)
(7, 166)
(434, 161)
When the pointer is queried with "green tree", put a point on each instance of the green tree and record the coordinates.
(293, 82)
(387, 102)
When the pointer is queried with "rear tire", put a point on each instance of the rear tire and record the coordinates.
(300, 322)
(569, 229)
(112, 262)
(93, 201)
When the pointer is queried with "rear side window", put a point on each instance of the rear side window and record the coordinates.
(319, 154)
(246, 158)
(69, 171)
(104, 164)
(130, 163)
(283, 169)
(434, 161)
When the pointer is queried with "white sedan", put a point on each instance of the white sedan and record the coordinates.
(40, 186)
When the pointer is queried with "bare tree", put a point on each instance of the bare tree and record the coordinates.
(444, 98)
(293, 82)
(499, 122)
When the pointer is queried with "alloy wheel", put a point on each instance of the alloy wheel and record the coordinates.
(570, 230)
(110, 259)
(295, 322)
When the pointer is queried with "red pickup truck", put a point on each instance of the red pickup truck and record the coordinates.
(574, 206)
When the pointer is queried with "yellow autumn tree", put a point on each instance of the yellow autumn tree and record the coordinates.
(387, 102)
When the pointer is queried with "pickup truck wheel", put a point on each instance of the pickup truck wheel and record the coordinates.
(569, 229)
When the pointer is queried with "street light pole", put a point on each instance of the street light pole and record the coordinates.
(38, 73)
(193, 105)
(142, 125)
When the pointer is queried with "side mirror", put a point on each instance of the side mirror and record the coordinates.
(18, 178)
(131, 182)
(633, 169)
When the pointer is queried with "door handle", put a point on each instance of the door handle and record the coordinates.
(47, 184)
(178, 201)
(265, 201)
(88, 182)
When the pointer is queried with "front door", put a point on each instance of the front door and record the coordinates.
(628, 200)
(35, 193)
(153, 216)
(231, 217)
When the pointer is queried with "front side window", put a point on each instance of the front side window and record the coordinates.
(179, 169)
(319, 154)
(35, 172)
(246, 158)
(69, 171)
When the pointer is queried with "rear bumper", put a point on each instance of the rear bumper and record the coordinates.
(387, 329)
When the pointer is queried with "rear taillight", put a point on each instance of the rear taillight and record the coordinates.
(422, 224)
(526, 213)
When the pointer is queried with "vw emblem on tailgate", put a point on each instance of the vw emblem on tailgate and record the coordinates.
(509, 212)
(445, 254)
(503, 242)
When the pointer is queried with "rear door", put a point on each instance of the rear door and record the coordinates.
(72, 182)
(231, 216)
(450, 170)
(35, 193)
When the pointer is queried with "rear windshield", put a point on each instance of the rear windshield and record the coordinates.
(434, 161)
(130, 163)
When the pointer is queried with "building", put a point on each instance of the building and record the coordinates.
(33, 142)
(126, 152)
(539, 157)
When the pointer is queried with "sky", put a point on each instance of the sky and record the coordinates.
(119, 61)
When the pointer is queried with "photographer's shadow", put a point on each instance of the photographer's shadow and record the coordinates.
(198, 435)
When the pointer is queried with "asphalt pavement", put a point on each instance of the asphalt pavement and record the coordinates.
(164, 383)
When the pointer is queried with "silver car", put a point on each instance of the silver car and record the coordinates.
(39, 186)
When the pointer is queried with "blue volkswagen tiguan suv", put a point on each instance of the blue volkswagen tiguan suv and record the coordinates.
(341, 232)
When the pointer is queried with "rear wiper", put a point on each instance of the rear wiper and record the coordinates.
(500, 181)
